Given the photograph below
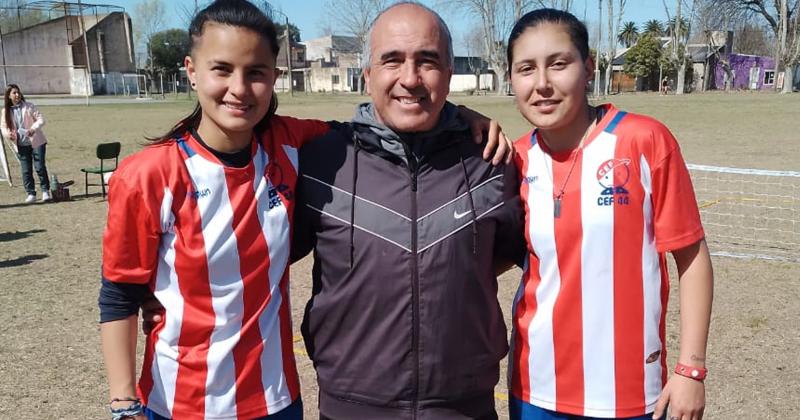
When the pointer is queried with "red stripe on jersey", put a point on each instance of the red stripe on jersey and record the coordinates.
(527, 304)
(567, 315)
(628, 290)
(287, 340)
(198, 315)
(254, 266)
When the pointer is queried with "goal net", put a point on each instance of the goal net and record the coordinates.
(749, 213)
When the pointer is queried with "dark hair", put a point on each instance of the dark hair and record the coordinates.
(574, 27)
(7, 104)
(237, 13)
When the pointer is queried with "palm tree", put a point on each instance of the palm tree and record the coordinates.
(628, 35)
(654, 27)
(670, 29)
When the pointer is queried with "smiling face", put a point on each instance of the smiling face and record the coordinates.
(409, 74)
(233, 70)
(549, 77)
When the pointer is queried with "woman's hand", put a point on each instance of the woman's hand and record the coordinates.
(30, 132)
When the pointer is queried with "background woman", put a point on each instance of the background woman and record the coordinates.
(21, 123)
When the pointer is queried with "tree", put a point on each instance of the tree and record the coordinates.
(565, 5)
(294, 31)
(679, 30)
(628, 35)
(169, 48)
(613, 27)
(149, 18)
(188, 12)
(644, 58)
(473, 46)
(782, 17)
(496, 18)
(750, 39)
(354, 18)
(654, 28)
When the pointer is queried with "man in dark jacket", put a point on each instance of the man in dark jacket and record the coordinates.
(408, 225)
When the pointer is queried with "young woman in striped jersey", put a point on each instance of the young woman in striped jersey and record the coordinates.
(606, 195)
(201, 218)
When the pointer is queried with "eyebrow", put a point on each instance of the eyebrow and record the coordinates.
(433, 54)
(562, 54)
(225, 63)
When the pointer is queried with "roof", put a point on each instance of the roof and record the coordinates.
(345, 44)
(701, 52)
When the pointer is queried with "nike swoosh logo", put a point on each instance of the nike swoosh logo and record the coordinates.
(458, 215)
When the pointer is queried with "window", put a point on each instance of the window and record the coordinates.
(335, 79)
(299, 56)
(769, 77)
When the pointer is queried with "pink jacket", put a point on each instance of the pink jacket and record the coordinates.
(31, 119)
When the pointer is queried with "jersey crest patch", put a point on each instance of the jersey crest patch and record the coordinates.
(613, 175)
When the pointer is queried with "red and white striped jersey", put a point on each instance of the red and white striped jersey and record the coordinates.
(589, 314)
(212, 242)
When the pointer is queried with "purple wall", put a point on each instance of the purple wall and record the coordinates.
(741, 65)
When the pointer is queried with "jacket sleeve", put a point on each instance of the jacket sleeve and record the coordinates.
(303, 238)
(38, 118)
(510, 234)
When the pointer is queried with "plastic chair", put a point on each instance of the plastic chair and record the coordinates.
(105, 151)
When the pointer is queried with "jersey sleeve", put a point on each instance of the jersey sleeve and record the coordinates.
(676, 218)
(301, 131)
(131, 237)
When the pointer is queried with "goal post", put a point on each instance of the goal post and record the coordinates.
(6, 174)
(749, 213)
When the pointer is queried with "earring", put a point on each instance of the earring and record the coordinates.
(194, 85)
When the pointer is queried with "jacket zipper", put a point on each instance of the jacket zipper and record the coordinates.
(414, 168)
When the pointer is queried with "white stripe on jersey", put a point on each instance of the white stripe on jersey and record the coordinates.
(275, 228)
(216, 214)
(651, 275)
(167, 291)
(291, 152)
(542, 233)
(597, 280)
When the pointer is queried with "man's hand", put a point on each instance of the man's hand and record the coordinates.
(497, 142)
(152, 314)
(686, 398)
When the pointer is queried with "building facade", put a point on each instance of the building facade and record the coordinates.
(50, 57)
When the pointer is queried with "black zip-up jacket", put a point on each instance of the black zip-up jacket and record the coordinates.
(404, 321)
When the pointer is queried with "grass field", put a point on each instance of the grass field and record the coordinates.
(50, 364)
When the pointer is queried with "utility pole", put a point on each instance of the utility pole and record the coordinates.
(86, 51)
(289, 57)
(597, 48)
(3, 50)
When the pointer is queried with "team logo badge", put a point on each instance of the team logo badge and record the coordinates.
(613, 175)
(277, 187)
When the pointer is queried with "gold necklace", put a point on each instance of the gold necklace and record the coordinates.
(558, 197)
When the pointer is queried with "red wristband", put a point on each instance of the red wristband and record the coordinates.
(696, 373)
